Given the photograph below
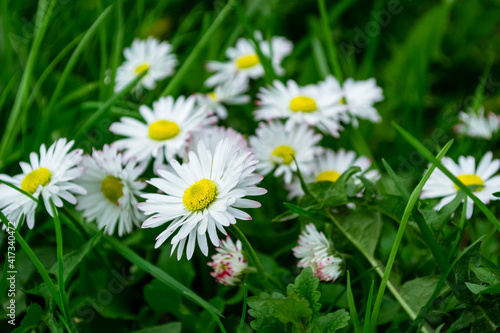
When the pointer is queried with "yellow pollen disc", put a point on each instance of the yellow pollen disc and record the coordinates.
(285, 153)
(212, 95)
(342, 101)
(303, 103)
(34, 179)
(200, 195)
(471, 180)
(141, 68)
(247, 61)
(328, 176)
(112, 189)
(163, 130)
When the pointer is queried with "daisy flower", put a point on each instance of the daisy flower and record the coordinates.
(329, 167)
(316, 252)
(483, 183)
(166, 131)
(275, 147)
(228, 264)
(213, 134)
(49, 176)
(357, 97)
(151, 55)
(477, 125)
(244, 61)
(229, 93)
(310, 104)
(202, 196)
(112, 188)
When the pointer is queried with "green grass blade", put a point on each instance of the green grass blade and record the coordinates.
(374, 263)
(252, 256)
(66, 72)
(197, 49)
(36, 262)
(6, 91)
(319, 56)
(244, 311)
(50, 68)
(332, 53)
(12, 128)
(428, 155)
(118, 45)
(270, 75)
(60, 266)
(157, 273)
(366, 327)
(104, 107)
(352, 306)
(19, 190)
(427, 234)
(399, 236)
(460, 229)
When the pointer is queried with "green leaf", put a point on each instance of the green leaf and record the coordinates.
(331, 194)
(363, 225)
(269, 311)
(306, 286)
(308, 212)
(31, 320)
(330, 322)
(417, 292)
(286, 216)
(352, 306)
(436, 219)
(485, 275)
(175, 327)
(72, 260)
(483, 289)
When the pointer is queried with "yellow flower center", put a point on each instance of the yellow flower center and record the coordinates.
(247, 61)
(303, 103)
(471, 180)
(200, 195)
(163, 130)
(34, 179)
(112, 189)
(328, 176)
(285, 153)
(342, 101)
(141, 68)
(212, 95)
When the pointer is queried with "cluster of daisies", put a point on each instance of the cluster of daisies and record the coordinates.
(206, 173)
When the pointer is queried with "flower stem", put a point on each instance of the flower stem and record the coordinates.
(60, 265)
(254, 260)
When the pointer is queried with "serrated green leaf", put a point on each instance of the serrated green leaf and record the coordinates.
(306, 286)
(31, 320)
(330, 322)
